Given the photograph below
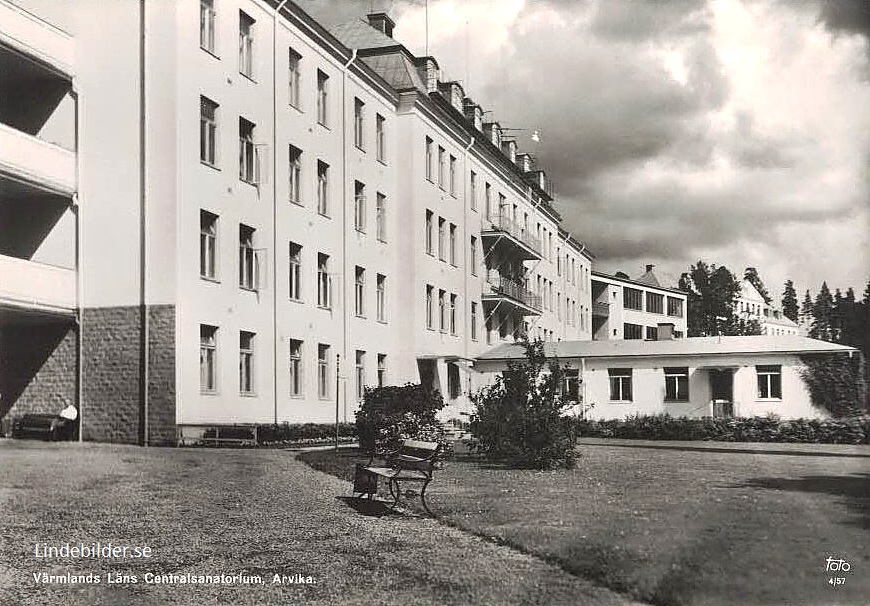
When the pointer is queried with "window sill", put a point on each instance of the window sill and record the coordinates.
(620, 401)
(667, 401)
(384, 322)
(211, 279)
(324, 398)
(298, 203)
(209, 164)
(382, 240)
(210, 51)
(382, 162)
(324, 308)
(359, 231)
(359, 148)
(296, 300)
(768, 400)
(247, 394)
(360, 316)
(248, 288)
(297, 396)
(324, 215)
(248, 77)
(324, 125)
(296, 107)
(251, 183)
(209, 392)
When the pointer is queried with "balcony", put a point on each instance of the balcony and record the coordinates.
(600, 309)
(35, 163)
(505, 291)
(501, 229)
(33, 286)
(36, 38)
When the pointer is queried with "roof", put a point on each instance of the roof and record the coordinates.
(397, 69)
(690, 346)
(359, 34)
(600, 274)
(649, 278)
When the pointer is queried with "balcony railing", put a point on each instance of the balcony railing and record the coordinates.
(504, 224)
(34, 161)
(513, 290)
(32, 285)
(601, 309)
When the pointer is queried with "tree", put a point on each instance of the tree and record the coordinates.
(823, 307)
(751, 274)
(391, 414)
(519, 419)
(836, 383)
(789, 301)
(711, 296)
(806, 315)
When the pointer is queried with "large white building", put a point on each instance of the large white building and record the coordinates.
(751, 305)
(224, 213)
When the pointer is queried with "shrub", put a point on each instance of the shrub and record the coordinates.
(519, 419)
(854, 430)
(391, 414)
(836, 383)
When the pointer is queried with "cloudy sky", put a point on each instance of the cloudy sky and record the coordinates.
(733, 131)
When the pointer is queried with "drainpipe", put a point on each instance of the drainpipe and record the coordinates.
(78, 263)
(465, 298)
(143, 264)
(344, 235)
(275, 209)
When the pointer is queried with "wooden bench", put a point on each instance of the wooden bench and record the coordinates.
(34, 425)
(413, 462)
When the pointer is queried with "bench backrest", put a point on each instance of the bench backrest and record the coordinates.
(415, 454)
(427, 447)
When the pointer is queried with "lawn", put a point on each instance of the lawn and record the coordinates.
(241, 512)
(673, 526)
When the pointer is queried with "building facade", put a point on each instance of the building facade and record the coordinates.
(223, 213)
(693, 377)
(751, 305)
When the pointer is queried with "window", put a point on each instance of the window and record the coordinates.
(207, 245)
(381, 138)
(246, 362)
(322, 98)
(322, 188)
(429, 311)
(655, 303)
(442, 311)
(247, 154)
(652, 333)
(769, 382)
(487, 195)
(559, 306)
(632, 298)
(322, 371)
(359, 206)
(206, 25)
(473, 321)
(675, 307)
(677, 384)
(381, 216)
(295, 368)
(247, 260)
(429, 227)
(454, 383)
(295, 277)
(558, 261)
(294, 73)
(502, 206)
(571, 385)
(382, 370)
(441, 153)
(360, 375)
(473, 257)
(324, 282)
(207, 358)
(452, 314)
(472, 193)
(294, 185)
(359, 292)
(632, 331)
(429, 158)
(452, 176)
(359, 123)
(381, 286)
(620, 384)
(441, 229)
(246, 45)
(208, 131)
(452, 244)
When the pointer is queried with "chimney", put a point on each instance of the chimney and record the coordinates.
(427, 67)
(665, 331)
(509, 149)
(382, 23)
(649, 267)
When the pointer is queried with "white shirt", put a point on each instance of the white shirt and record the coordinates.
(70, 413)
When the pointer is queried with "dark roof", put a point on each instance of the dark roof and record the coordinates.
(649, 278)
(690, 346)
(619, 278)
(359, 34)
(397, 69)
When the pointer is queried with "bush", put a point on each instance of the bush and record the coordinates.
(836, 383)
(519, 419)
(854, 430)
(392, 414)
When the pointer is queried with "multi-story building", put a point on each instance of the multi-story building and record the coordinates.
(751, 305)
(642, 308)
(223, 213)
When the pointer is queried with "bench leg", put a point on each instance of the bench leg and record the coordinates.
(394, 492)
(423, 498)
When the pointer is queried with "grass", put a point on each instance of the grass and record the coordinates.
(254, 512)
(674, 527)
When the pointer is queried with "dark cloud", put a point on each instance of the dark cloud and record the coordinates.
(638, 20)
(850, 16)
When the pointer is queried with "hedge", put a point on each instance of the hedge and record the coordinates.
(855, 430)
(284, 434)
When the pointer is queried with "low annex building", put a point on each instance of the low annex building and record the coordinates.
(693, 377)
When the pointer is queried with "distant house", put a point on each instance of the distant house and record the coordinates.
(752, 306)
(694, 377)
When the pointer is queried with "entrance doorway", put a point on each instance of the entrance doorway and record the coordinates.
(722, 391)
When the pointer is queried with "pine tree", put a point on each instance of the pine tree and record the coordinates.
(712, 294)
(789, 301)
(751, 274)
(806, 314)
(822, 311)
